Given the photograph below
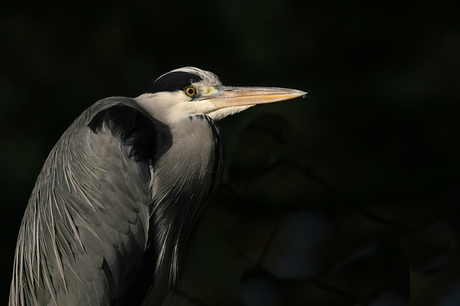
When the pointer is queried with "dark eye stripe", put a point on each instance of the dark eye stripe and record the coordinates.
(173, 81)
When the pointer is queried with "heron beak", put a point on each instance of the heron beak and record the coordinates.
(229, 96)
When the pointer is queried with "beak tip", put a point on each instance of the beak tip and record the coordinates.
(300, 94)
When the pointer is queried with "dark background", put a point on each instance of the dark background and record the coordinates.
(347, 197)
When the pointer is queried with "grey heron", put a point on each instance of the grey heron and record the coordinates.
(110, 216)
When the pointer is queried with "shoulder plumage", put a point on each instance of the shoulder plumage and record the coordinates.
(133, 127)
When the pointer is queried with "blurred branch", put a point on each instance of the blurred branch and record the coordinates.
(270, 240)
(338, 195)
(265, 250)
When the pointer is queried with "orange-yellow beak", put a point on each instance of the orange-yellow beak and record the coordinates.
(229, 96)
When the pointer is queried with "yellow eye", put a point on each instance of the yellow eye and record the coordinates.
(190, 91)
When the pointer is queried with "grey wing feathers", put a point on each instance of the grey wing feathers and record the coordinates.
(88, 218)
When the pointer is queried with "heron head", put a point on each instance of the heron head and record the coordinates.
(187, 91)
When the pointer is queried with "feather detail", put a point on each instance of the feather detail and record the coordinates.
(113, 209)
